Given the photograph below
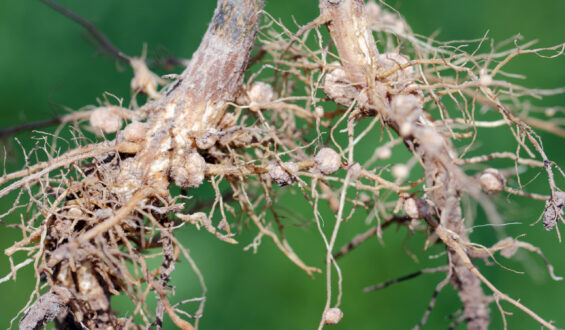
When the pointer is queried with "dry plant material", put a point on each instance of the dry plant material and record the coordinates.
(98, 209)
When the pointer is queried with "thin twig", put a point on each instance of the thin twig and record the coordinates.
(92, 29)
(360, 238)
(405, 278)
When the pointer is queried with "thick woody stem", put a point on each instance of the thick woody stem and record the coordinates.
(446, 198)
(216, 69)
(350, 32)
(199, 99)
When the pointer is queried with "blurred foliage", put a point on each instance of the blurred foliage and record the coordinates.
(48, 67)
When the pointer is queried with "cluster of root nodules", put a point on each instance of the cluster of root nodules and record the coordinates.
(324, 127)
(79, 264)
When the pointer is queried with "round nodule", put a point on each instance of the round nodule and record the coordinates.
(333, 316)
(283, 174)
(190, 172)
(327, 161)
(492, 181)
(105, 120)
(135, 132)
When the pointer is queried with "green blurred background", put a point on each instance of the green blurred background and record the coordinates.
(46, 62)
